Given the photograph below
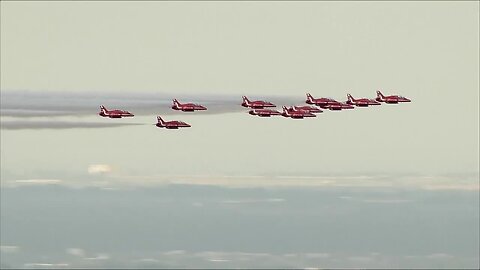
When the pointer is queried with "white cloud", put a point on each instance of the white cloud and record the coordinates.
(431, 183)
(9, 249)
(38, 181)
(290, 255)
(375, 200)
(218, 260)
(147, 260)
(46, 265)
(76, 252)
(271, 200)
(439, 256)
(360, 259)
(99, 169)
(318, 255)
(386, 201)
(197, 204)
(120, 181)
(174, 252)
(99, 257)
(464, 187)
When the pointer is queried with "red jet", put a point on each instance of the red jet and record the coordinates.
(338, 106)
(322, 102)
(290, 112)
(307, 108)
(113, 113)
(391, 99)
(264, 112)
(256, 104)
(187, 107)
(170, 124)
(362, 102)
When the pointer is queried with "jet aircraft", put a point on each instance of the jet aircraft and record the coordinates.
(307, 108)
(391, 99)
(170, 124)
(290, 112)
(187, 107)
(264, 112)
(321, 102)
(338, 106)
(256, 104)
(113, 113)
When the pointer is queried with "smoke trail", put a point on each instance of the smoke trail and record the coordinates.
(23, 103)
(15, 125)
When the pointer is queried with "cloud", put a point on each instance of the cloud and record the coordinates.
(318, 255)
(23, 124)
(197, 204)
(464, 187)
(9, 249)
(271, 200)
(386, 201)
(223, 256)
(99, 169)
(174, 252)
(76, 252)
(98, 257)
(39, 181)
(46, 265)
(360, 259)
(238, 259)
(148, 260)
(104, 176)
(434, 183)
(218, 260)
(435, 256)
(375, 200)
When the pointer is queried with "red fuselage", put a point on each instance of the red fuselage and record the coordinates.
(307, 108)
(114, 113)
(264, 112)
(256, 104)
(187, 107)
(290, 112)
(338, 106)
(361, 102)
(322, 102)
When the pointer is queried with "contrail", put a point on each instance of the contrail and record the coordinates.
(14, 125)
(24, 103)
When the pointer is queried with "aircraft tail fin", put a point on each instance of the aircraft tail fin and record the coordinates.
(160, 120)
(309, 97)
(350, 98)
(245, 100)
(103, 109)
(380, 95)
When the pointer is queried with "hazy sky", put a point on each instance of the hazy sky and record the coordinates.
(61, 60)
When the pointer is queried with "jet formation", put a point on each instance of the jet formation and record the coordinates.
(262, 108)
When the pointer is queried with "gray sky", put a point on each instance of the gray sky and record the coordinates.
(60, 61)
